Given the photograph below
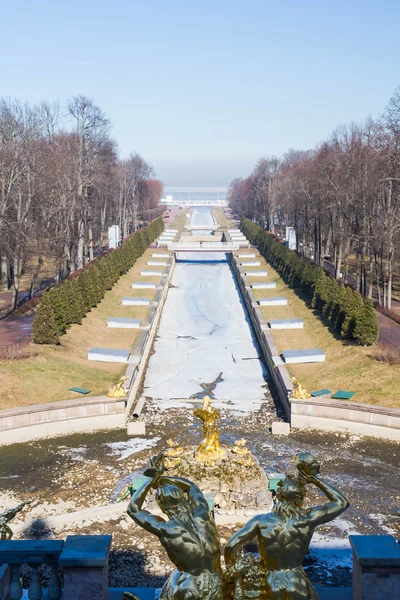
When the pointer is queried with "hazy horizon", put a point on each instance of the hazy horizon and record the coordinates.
(203, 91)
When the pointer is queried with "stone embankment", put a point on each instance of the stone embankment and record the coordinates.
(315, 413)
(93, 412)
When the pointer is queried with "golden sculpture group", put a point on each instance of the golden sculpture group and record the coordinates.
(299, 391)
(190, 538)
(117, 390)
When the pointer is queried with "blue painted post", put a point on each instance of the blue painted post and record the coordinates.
(84, 560)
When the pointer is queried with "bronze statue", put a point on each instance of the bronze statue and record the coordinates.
(6, 532)
(117, 390)
(210, 447)
(285, 535)
(189, 536)
(299, 391)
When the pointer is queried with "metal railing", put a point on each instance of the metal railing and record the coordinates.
(14, 349)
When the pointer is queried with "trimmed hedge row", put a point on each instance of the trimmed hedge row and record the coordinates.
(344, 308)
(71, 300)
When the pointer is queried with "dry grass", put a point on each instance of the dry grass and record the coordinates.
(48, 373)
(181, 220)
(221, 218)
(347, 366)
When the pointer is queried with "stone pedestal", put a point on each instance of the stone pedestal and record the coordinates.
(84, 560)
(236, 488)
(376, 567)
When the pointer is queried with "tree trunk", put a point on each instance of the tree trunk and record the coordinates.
(3, 273)
(35, 276)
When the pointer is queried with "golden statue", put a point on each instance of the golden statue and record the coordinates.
(172, 454)
(299, 391)
(284, 536)
(117, 390)
(6, 532)
(189, 535)
(210, 447)
(243, 453)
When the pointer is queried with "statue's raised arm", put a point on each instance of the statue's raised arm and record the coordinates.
(308, 468)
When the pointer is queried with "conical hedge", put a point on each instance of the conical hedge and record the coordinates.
(342, 306)
(69, 302)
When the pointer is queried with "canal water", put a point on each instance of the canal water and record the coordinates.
(205, 341)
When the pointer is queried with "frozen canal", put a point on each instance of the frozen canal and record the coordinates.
(205, 336)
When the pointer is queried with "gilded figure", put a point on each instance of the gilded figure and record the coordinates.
(189, 535)
(284, 535)
(210, 447)
(299, 391)
(172, 454)
(117, 390)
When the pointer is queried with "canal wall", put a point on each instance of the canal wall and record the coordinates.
(315, 413)
(91, 413)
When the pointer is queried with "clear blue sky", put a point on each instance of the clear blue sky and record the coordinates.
(202, 89)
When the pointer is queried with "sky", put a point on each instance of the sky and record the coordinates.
(204, 89)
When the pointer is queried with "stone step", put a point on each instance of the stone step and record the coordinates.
(249, 263)
(256, 273)
(156, 263)
(122, 323)
(131, 301)
(303, 356)
(286, 324)
(109, 355)
(275, 301)
(149, 273)
(144, 285)
(246, 255)
(265, 285)
(160, 255)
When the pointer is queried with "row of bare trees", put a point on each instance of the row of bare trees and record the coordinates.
(342, 198)
(61, 186)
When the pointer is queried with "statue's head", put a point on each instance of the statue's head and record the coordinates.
(307, 464)
(206, 402)
(171, 499)
(289, 496)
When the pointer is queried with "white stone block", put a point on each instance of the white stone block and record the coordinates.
(156, 263)
(264, 285)
(246, 255)
(303, 356)
(276, 301)
(160, 255)
(280, 428)
(122, 323)
(286, 324)
(136, 428)
(151, 273)
(251, 263)
(256, 273)
(109, 355)
(131, 301)
(143, 285)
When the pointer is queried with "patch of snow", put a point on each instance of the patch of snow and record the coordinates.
(132, 446)
(380, 519)
(75, 453)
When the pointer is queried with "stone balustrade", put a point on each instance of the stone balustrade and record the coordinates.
(83, 558)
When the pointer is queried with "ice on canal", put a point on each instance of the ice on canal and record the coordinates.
(205, 331)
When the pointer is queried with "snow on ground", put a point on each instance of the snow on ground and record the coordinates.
(132, 446)
(204, 331)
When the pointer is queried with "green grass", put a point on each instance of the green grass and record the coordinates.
(347, 366)
(49, 371)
